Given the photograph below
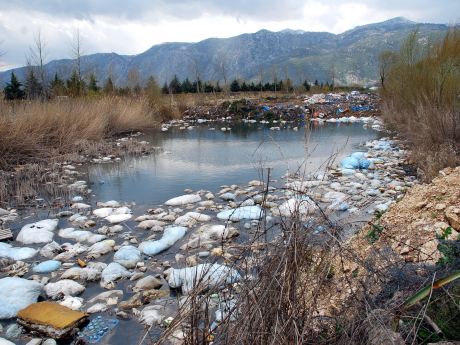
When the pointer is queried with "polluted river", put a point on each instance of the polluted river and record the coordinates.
(121, 253)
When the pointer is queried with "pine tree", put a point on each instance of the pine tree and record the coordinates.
(32, 87)
(13, 89)
(235, 86)
(175, 85)
(75, 85)
(92, 85)
(187, 86)
(306, 85)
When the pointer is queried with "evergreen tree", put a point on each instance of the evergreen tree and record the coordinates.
(218, 88)
(92, 85)
(109, 88)
(13, 89)
(175, 85)
(57, 86)
(235, 86)
(244, 87)
(306, 85)
(32, 87)
(187, 86)
(75, 85)
(316, 82)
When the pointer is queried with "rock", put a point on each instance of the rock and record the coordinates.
(34, 341)
(153, 294)
(49, 342)
(3, 341)
(4, 212)
(111, 204)
(97, 308)
(191, 218)
(183, 200)
(134, 302)
(228, 196)
(440, 207)
(452, 215)
(118, 218)
(255, 183)
(127, 256)
(16, 294)
(150, 223)
(147, 283)
(80, 206)
(107, 296)
(13, 331)
(65, 287)
(39, 232)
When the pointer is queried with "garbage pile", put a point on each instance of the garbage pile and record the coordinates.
(335, 105)
(248, 110)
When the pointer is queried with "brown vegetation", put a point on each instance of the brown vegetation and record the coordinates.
(421, 94)
(32, 131)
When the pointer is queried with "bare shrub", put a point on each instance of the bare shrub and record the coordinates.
(421, 94)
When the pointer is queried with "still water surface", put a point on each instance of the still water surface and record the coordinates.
(201, 158)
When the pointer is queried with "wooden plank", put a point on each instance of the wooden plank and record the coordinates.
(5, 234)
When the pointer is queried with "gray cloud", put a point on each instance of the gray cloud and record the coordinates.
(133, 10)
(131, 26)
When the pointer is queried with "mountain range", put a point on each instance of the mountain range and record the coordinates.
(352, 56)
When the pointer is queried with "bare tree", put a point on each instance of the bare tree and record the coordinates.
(77, 53)
(193, 66)
(333, 75)
(274, 72)
(134, 80)
(386, 59)
(261, 76)
(221, 66)
(37, 57)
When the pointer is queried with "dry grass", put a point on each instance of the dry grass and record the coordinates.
(422, 101)
(36, 131)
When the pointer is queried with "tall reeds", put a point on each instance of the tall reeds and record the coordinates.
(32, 131)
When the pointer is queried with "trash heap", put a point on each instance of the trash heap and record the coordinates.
(335, 105)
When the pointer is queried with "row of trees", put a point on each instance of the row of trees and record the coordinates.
(32, 88)
(197, 86)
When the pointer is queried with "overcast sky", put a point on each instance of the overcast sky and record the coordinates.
(132, 26)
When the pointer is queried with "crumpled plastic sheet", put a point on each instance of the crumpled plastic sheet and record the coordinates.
(97, 328)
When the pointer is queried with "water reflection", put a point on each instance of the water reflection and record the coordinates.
(201, 158)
